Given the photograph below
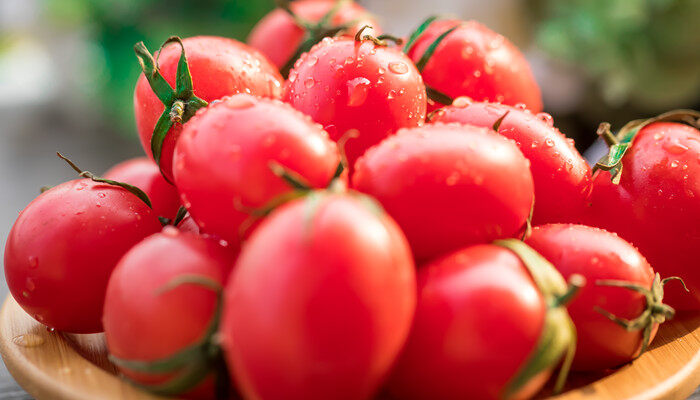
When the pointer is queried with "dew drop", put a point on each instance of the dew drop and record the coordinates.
(28, 340)
(546, 118)
(549, 142)
(477, 74)
(676, 148)
(358, 89)
(392, 95)
(101, 195)
(658, 136)
(381, 71)
(312, 60)
(521, 106)
(30, 284)
(674, 164)
(33, 261)
(309, 82)
(462, 102)
(452, 179)
(398, 67)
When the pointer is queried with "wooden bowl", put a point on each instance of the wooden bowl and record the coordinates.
(52, 365)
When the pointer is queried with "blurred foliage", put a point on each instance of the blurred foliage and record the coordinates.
(112, 27)
(641, 55)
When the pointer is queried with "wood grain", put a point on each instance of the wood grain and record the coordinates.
(50, 365)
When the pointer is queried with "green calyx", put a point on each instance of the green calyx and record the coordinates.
(314, 32)
(620, 143)
(433, 94)
(558, 338)
(656, 312)
(381, 40)
(87, 174)
(179, 216)
(193, 364)
(180, 103)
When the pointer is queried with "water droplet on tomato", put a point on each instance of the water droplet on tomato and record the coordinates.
(312, 60)
(381, 71)
(521, 106)
(546, 118)
(25, 294)
(462, 102)
(28, 340)
(674, 164)
(477, 74)
(452, 179)
(398, 67)
(101, 195)
(138, 217)
(349, 61)
(534, 144)
(223, 243)
(549, 142)
(467, 52)
(358, 89)
(309, 82)
(33, 262)
(392, 95)
(30, 284)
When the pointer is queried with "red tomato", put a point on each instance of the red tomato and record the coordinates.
(598, 256)
(152, 321)
(219, 67)
(449, 186)
(65, 244)
(345, 84)
(656, 205)
(562, 177)
(321, 301)
(145, 175)
(278, 36)
(222, 160)
(479, 316)
(476, 62)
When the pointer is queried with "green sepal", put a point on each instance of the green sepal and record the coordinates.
(294, 180)
(419, 31)
(87, 174)
(656, 312)
(159, 133)
(180, 215)
(192, 364)
(149, 66)
(437, 96)
(558, 338)
(433, 46)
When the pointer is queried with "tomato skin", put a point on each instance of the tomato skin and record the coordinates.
(329, 285)
(278, 37)
(344, 84)
(476, 62)
(142, 323)
(222, 160)
(562, 177)
(598, 255)
(479, 316)
(145, 175)
(448, 186)
(63, 247)
(656, 206)
(219, 67)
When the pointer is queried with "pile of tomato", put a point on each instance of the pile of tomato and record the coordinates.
(332, 212)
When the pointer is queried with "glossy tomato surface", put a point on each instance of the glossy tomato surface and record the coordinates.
(219, 67)
(479, 316)
(476, 62)
(449, 185)
(65, 244)
(145, 175)
(656, 206)
(223, 160)
(562, 177)
(320, 302)
(277, 36)
(346, 85)
(598, 255)
(146, 321)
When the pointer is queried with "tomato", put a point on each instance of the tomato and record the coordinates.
(170, 310)
(656, 205)
(476, 62)
(562, 177)
(224, 155)
(601, 256)
(448, 186)
(479, 318)
(218, 67)
(320, 302)
(278, 36)
(144, 174)
(346, 84)
(65, 244)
